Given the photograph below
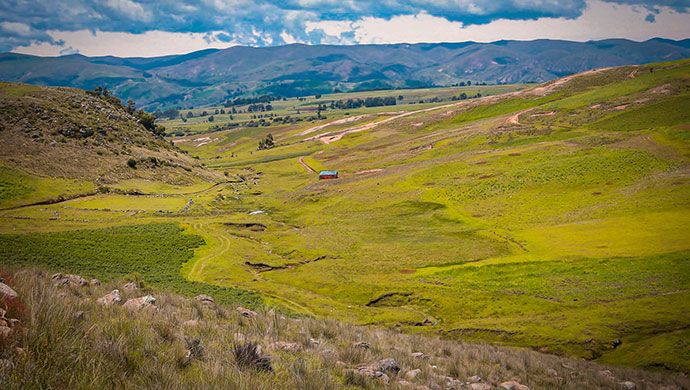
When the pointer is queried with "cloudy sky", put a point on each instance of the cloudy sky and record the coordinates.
(157, 27)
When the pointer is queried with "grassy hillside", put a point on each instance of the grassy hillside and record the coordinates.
(66, 339)
(60, 142)
(552, 218)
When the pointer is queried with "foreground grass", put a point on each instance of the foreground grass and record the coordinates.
(67, 340)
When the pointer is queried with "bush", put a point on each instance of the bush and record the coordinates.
(132, 163)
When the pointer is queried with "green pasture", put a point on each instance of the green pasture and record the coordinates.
(548, 219)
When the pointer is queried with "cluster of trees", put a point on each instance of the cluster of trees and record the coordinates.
(266, 143)
(170, 113)
(250, 100)
(464, 96)
(367, 102)
(259, 107)
(468, 83)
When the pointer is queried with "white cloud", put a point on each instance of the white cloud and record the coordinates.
(599, 21)
(130, 9)
(16, 28)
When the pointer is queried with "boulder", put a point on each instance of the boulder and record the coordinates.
(512, 385)
(69, 280)
(413, 374)
(205, 299)
(147, 302)
(386, 365)
(131, 286)
(364, 371)
(246, 312)
(362, 344)
(474, 379)
(111, 298)
(6, 292)
(627, 385)
(419, 355)
(479, 386)
(94, 282)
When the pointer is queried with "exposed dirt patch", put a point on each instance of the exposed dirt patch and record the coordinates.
(407, 271)
(596, 193)
(256, 227)
(515, 154)
(384, 296)
(548, 113)
(480, 163)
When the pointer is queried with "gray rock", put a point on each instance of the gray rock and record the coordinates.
(246, 312)
(205, 299)
(111, 298)
(362, 344)
(147, 302)
(627, 385)
(413, 374)
(386, 365)
(7, 291)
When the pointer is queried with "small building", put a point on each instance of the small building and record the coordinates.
(328, 175)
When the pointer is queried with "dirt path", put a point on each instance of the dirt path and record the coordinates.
(200, 263)
(345, 120)
(339, 134)
(307, 167)
(515, 118)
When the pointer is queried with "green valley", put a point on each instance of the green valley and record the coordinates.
(552, 217)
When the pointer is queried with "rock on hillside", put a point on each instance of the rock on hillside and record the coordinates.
(75, 134)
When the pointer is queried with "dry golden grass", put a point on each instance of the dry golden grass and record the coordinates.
(68, 341)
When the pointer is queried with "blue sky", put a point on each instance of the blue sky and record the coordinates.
(156, 27)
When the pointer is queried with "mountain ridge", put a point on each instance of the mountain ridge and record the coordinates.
(211, 76)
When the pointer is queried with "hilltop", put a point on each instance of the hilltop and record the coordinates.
(210, 77)
(84, 140)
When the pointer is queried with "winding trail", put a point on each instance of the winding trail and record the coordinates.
(305, 165)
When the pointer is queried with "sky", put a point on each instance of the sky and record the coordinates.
(147, 28)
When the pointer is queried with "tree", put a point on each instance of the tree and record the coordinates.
(211, 118)
(131, 107)
(190, 114)
(132, 163)
(400, 97)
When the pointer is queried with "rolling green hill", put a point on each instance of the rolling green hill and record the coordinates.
(552, 217)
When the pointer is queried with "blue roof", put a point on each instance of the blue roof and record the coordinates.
(328, 173)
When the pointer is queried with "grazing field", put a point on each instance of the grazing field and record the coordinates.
(552, 217)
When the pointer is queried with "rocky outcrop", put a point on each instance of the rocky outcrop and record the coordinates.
(69, 280)
(111, 298)
(205, 299)
(147, 302)
(512, 385)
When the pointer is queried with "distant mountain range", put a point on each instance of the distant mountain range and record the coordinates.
(212, 76)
